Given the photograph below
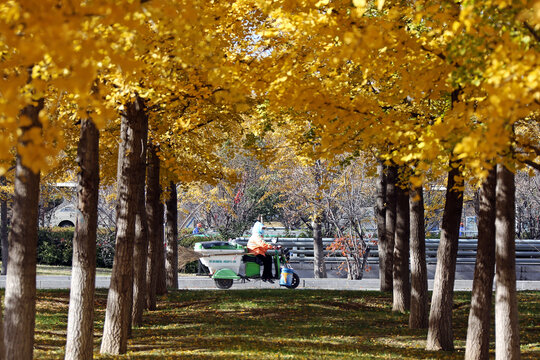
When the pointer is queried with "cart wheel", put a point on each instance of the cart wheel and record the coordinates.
(295, 281)
(223, 283)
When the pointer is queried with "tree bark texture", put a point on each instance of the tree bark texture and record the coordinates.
(506, 315)
(80, 339)
(401, 283)
(380, 212)
(20, 293)
(418, 317)
(140, 249)
(478, 330)
(172, 237)
(319, 265)
(161, 286)
(440, 333)
(153, 193)
(140, 255)
(119, 300)
(4, 227)
(386, 263)
(2, 350)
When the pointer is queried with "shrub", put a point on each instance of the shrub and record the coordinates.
(55, 246)
(105, 248)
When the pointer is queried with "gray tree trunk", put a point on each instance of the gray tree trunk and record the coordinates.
(153, 193)
(161, 286)
(380, 211)
(401, 283)
(4, 227)
(20, 293)
(319, 265)
(386, 262)
(119, 300)
(418, 318)
(478, 330)
(80, 339)
(172, 237)
(2, 349)
(506, 315)
(440, 333)
(140, 249)
(140, 255)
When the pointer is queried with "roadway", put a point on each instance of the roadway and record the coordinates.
(204, 282)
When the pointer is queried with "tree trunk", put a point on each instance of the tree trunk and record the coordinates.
(80, 339)
(4, 227)
(440, 333)
(386, 262)
(418, 318)
(161, 286)
(119, 300)
(478, 330)
(380, 211)
(172, 238)
(20, 293)
(401, 283)
(319, 265)
(153, 193)
(2, 349)
(506, 315)
(140, 249)
(140, 254)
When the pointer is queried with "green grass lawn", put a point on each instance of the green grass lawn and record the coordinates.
(273, 324)
(64, 270)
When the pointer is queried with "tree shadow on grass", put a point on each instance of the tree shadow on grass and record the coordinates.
(269, 324)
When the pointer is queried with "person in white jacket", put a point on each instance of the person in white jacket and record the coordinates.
(256, 245)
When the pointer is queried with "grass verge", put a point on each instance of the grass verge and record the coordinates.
(65, 270)
(273, 324)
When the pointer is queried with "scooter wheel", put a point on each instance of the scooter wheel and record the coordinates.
(295, 281)
(223, 283)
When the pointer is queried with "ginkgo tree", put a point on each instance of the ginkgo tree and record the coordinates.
(71, 57)
(65, 56)
(478, 60)
(423, 83)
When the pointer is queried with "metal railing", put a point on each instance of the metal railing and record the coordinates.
(527, 251)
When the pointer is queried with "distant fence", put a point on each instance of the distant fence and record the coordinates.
(527, 251)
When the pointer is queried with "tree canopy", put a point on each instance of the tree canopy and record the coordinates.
(413, 82)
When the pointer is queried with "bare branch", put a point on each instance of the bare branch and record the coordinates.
(532, 31)
(532, 164)
(439, 55)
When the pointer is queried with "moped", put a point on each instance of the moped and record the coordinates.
(227, 262)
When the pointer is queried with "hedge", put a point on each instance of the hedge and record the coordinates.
(55, 247)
